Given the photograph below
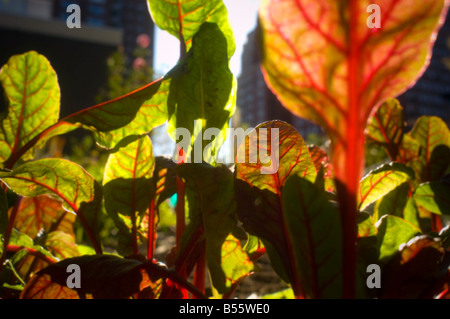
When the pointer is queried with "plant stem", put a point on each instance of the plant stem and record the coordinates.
(8, 231)
(151, 231)
(200, 270)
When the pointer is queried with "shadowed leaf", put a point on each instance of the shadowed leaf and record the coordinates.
(128, 189)
(414, 271)
(313, 225)
(218, 220)
(433, 198)
(433, 136)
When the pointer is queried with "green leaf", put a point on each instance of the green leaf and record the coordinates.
(128, 189)
(314, 232)
(386, 127)
(381, 181)
(32, 93)
(65, 179)
(393, 203)
(43, 213)
(58, 177)
(183, 19)
(202, 96)
(433, 136)
(433, 197)
(393, 231)
(366, 227)
(130, 115)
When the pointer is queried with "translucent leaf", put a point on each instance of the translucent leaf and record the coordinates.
(381, 181)
(32, 93)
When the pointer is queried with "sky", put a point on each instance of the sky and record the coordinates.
(242, 15)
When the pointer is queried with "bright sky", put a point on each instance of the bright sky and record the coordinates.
(242, 15)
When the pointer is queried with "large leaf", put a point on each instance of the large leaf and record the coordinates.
(313, 227)
(67, 180)
(183, 19)
(128, 188)
(386, 127)
(43, 213)
(433, 198)
(381, 181)
(202, 96)
(32, 92)
(433, 136)
(327, 65)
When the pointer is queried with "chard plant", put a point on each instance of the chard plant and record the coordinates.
(322, 218)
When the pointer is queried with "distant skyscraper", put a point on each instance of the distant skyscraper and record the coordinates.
(431, 94)
(256, 102)
(77, 55)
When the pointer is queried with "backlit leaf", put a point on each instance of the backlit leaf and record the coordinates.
(393, 231)
(386, 127)
(128, 188)
(433, 197)
(393, 203)
(32, 92)
(433, 136)
(326, 64)
(183, 19)
(202, 96)
(60, 177)
(271, 153)
(43, 213)
(62, 245)
(133, 114)
(381, 181)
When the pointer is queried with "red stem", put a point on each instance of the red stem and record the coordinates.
(348, 157)
(200, 271)
(151, 231)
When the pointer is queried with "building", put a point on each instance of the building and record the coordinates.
(431, 93)
(255, 101)
(78, 55)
